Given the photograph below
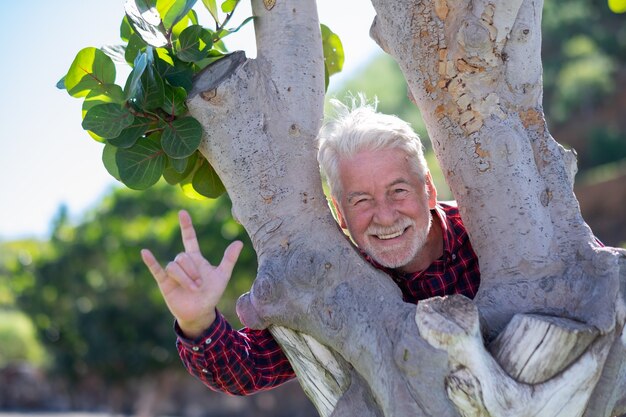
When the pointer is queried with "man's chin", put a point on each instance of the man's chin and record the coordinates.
(394, 257)
(390, 261)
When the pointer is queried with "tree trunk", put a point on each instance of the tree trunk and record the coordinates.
(544, 336)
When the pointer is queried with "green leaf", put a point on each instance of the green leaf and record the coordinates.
(146, 21)
(177, 74)
(333, 51)
(107, 120)
(126, 30)
(145, 89)
(135, 46)
(95, 137)
(90, 69)
(180, 76)
(141, 165)
(133, 83)
(172, 11)
(129, 136)
(174, 102)
(173, 174)
(163, 57)
(211, 6)
(617, 6)
(190, 19)
(219, 46)
(194, 44)
(108, 159)
(179, 165)
(189, 191)
(206, 181)
(229, 5)
(153, 89)
(326, 78)
(213, 56)
(106, 93)
(193, 17)
(181, 137)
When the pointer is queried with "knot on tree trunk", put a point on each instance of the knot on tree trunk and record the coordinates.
(293, 282)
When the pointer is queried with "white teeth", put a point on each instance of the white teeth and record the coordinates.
(390, 236)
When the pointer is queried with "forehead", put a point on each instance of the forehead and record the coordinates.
(375, 168)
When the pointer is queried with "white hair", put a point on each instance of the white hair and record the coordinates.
(361, 128)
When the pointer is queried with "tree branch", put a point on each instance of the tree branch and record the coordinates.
(478, 382)
(289, 43)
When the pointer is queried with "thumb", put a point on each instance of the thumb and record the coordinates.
(231, 254)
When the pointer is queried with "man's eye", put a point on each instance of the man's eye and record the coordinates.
(360, 201)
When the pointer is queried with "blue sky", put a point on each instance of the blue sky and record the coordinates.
(46, 159)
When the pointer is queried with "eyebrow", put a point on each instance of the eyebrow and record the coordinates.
(398, 181)
(351, 196)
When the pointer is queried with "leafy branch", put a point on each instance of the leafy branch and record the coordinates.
(145, 125)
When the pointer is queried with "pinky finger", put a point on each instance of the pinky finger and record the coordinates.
(153, 265)
(230, 257)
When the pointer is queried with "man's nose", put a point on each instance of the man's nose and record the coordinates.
(386, 213)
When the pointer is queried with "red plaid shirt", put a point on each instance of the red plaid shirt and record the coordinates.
(245, 361)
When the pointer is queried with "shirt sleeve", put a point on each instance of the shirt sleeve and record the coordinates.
(235, 362)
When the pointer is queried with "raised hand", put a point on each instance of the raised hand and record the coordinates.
(190, 285)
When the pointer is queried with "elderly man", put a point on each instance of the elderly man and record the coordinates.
(383, 195)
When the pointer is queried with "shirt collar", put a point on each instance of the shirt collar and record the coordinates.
(445, 228)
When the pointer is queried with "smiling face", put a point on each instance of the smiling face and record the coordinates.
(386, 207)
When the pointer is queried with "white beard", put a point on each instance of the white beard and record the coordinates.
(402, 253)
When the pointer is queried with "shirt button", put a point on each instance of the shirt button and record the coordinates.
(204, 371)
(453, 257)
(208, 341)
(195, 348)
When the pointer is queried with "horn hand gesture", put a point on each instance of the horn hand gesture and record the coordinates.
(190, 285)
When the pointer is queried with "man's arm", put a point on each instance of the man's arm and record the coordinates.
(226, 360)
(236, 362)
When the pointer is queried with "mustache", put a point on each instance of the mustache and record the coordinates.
(399, 226)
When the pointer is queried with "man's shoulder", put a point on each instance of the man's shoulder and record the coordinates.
(450, 210)
(457, 234)
(449, 207)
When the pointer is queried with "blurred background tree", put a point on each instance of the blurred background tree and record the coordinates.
(82, 303)
(19, 341)
(584, 57)
(95, 308)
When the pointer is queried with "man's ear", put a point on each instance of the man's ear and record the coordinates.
(432, 191)
(340, 219)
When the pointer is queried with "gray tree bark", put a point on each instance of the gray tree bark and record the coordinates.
(544, 336)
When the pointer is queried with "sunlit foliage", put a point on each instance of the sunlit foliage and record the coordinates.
(145, 125)
(93, 302)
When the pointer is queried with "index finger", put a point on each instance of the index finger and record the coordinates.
(190, 241)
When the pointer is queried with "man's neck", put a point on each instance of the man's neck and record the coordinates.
(432, 250)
